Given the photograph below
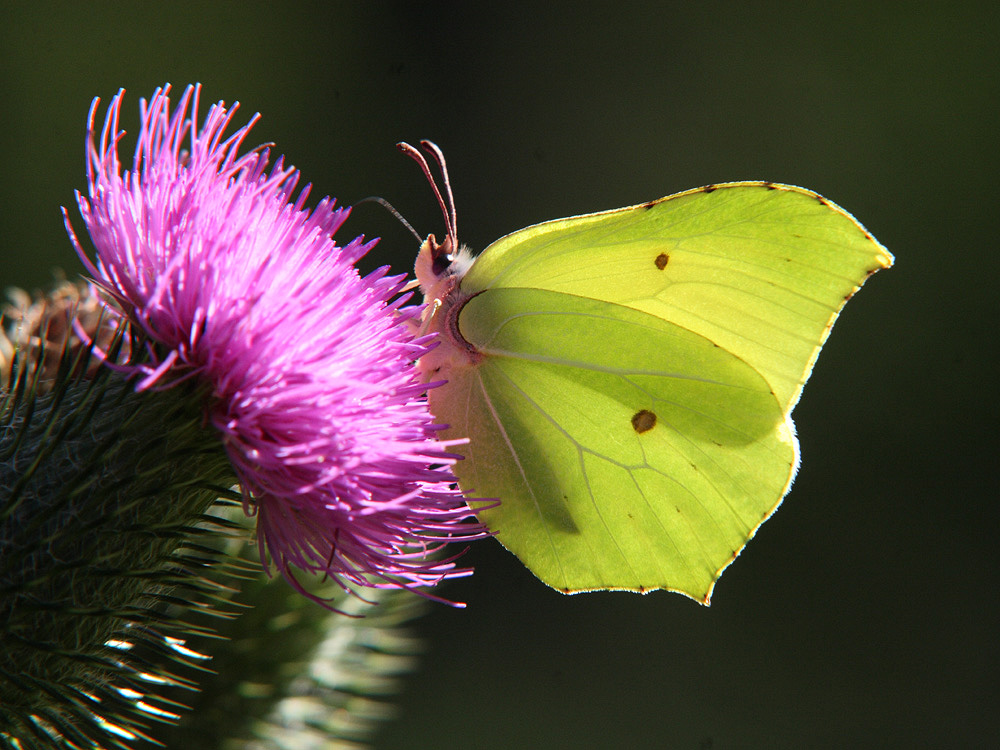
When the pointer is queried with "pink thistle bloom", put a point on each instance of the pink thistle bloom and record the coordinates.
(309, 365)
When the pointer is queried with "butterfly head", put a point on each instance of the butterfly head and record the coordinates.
(439, 270)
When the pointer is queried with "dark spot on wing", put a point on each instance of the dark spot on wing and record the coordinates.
(643, 421)
(661, 261)
(770, 186)
(649, 205)
(710, 188)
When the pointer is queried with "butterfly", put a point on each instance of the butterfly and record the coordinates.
(625, 379)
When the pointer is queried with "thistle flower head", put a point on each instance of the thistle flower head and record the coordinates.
(308, 365)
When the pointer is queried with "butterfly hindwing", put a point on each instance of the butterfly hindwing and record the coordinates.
(592, 497)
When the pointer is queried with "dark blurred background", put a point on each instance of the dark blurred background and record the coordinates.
(864, 613)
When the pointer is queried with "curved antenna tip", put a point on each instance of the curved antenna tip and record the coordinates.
(447, 205)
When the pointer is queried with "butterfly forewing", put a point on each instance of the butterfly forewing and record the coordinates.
(760, 269)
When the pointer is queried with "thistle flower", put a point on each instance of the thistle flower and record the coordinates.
(307, 365)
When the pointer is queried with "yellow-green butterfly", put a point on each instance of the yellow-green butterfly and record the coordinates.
(625, 379)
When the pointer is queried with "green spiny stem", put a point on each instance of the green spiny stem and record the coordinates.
(100, 490)
(292, 674)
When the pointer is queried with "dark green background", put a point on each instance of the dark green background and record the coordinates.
(864, 614)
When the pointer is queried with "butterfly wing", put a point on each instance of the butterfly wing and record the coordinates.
(760, 269)
(628, 452)
(630, 404)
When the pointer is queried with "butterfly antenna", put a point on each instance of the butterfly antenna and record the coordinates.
(438, 154)
(391, 209)
(447, 207)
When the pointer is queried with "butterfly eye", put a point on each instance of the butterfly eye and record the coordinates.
(440, 263)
